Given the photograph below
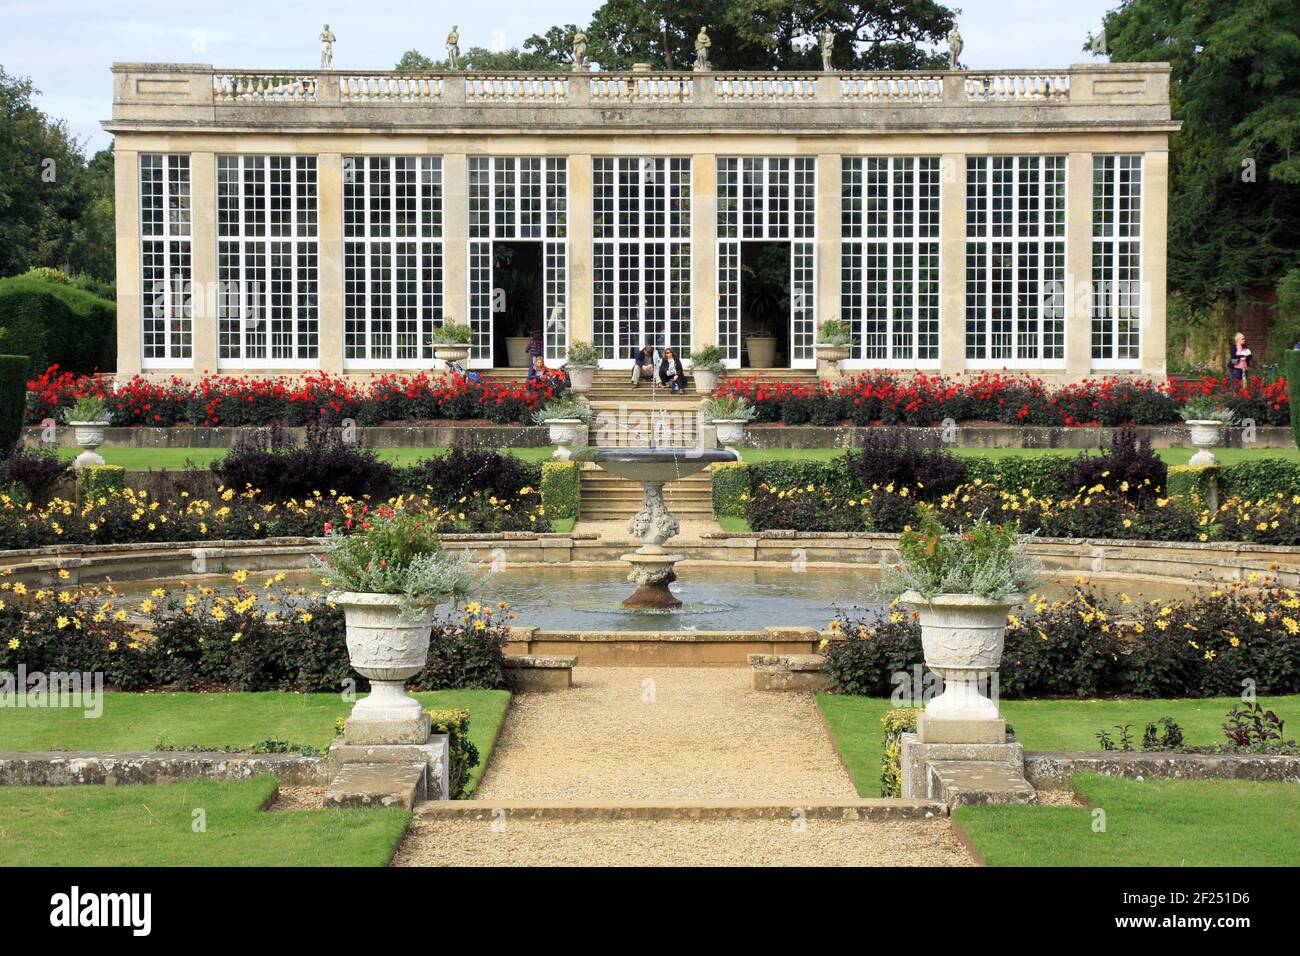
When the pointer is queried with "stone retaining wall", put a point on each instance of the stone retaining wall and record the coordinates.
(1050, 770)
(1182, 562)
(59, 768)
(455, 434)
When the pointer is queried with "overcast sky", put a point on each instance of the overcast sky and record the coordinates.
(67, 46)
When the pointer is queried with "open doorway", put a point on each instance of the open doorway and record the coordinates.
(765, 304)
(517, 300)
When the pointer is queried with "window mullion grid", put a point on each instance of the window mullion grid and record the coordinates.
(915, 253)
(889, 259)
(986, 254)
(390, 280)
(367, 254)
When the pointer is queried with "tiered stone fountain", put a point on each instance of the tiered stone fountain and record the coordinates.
(652, 566)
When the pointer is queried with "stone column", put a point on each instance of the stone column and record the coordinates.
(1155, 250)
(952, 262)
(329, 232)
(1078, 265)
(829, 230)
(704, 246)
(203, 259)
(455, 237)
(126, 205)
(580, 227)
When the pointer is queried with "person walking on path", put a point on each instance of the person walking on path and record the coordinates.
(1239, 357)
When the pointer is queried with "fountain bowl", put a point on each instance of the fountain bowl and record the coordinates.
(652, 566)
(658, 465)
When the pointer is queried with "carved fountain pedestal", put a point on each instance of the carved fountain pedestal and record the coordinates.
(652, 565)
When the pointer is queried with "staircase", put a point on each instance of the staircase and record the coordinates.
(604, 497)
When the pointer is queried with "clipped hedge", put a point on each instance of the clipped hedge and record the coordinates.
(1291, 369)
(100, 481)
(13, 400)
(53, 323)
(1260, 479)
(898, 721)
(730, 482)
(464, 756)
(1039, 474)
(561, 489)
(1200, 481)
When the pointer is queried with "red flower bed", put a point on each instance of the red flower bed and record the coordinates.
(322, 396)
(923, 399)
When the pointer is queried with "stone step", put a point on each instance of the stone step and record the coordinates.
(378, 785)
(978, 782)
(819, 808)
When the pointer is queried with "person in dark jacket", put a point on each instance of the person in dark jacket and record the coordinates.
(671, 372)
(1239, 359)
(643, 365)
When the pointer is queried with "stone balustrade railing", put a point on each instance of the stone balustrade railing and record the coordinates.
(1133, 93)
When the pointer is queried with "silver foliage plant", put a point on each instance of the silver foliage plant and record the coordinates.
(989, 560)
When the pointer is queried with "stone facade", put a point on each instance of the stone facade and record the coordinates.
(795, 131)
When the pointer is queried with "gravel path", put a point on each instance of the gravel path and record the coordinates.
(663, 733)
(680, 843)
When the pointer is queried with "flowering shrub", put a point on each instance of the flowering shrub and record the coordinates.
(129, 515)
(1086, 645)
(261, 635)
(316, 396)
(922, 399)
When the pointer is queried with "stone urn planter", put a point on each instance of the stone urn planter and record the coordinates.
(829, 358)
(762, 350)
(387, 647)
(962, 637)
(89, 435)
(450, 352)
(731, 432)
(1207, 435)
(705, 380)
(581, 378)
(517, 351)
(564, 434)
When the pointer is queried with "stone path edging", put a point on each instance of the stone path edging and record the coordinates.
(867, 808)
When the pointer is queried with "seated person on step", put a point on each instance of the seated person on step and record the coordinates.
(643, 365)
(671, 372)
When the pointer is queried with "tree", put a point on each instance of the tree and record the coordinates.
(770, 34)
(746, 35)
(1234, 205)
(54, 209)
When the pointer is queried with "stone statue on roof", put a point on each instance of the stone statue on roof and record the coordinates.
(453, 48)
(326, 48)
(702, 44)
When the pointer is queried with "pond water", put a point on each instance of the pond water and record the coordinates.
(715, 597)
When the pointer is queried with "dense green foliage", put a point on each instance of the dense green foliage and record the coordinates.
(746, 35)
(1234, 203)
(561, 488)
(55, 323)
(56, 208)
(13, 400)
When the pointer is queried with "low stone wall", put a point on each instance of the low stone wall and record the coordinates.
(1005, 436)
(1191, 561)
(663, 648)
(1051, 770)
(1181, 562)
(87, 768)
(462, 435)
(435, 435)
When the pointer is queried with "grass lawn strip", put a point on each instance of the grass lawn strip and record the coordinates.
(147, 721)
(156, 826)
(1038, 724)
(1145, 823)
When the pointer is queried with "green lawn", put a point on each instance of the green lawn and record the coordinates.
(155, 826)
(1146, 823)
(145, 721)
(1038, 724)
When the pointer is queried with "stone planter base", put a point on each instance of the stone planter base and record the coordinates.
(965, 773)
